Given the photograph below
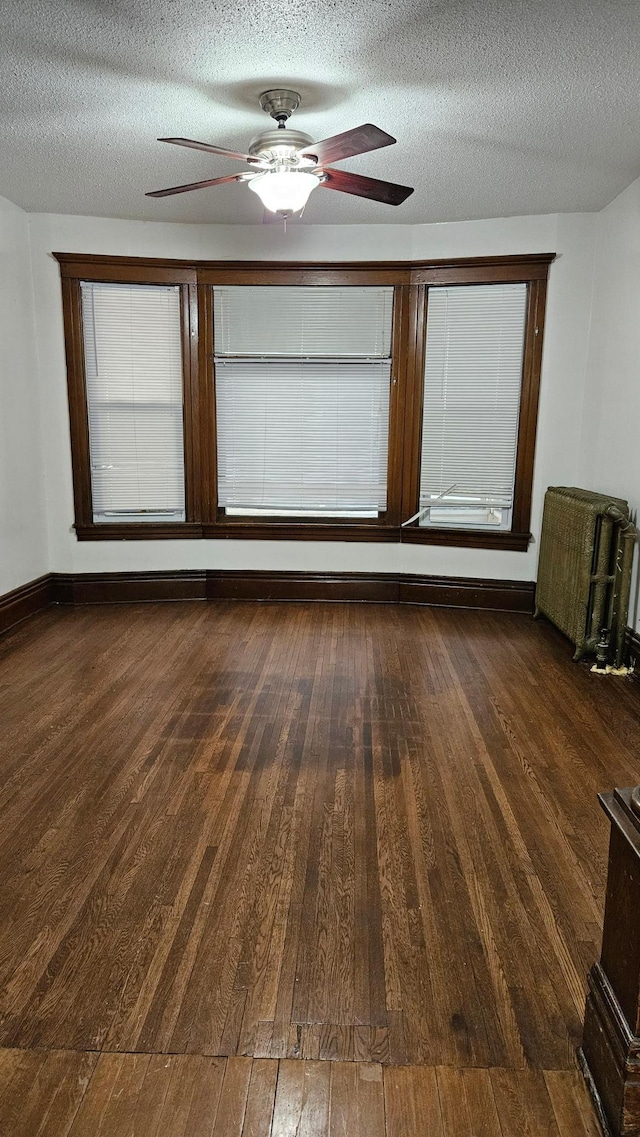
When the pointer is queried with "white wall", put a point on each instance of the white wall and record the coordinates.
(611, 425)
(571, 237)
(23, 550)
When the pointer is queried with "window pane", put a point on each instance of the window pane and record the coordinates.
(302, 322)
(303, 436)
(133, 363)
(472, 383)
(302, 395)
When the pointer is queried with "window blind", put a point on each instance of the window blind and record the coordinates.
(315, 322)
(133, 365)
(302, 396)
(472, 382)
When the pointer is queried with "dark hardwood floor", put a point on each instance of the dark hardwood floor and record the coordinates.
(363, 837)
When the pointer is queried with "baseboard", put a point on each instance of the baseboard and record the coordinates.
(25, 601)
(376, 588)
(128, 587)
(371, 587)
(467, 592)
(215, 584)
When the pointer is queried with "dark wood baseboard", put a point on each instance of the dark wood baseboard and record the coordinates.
(380, 588)
(25, 601)
(215, 584)
(372, 587)
(128, 587)
(467, 592)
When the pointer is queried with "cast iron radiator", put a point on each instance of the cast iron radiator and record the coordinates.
(584, 571)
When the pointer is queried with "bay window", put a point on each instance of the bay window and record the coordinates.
(388, 402)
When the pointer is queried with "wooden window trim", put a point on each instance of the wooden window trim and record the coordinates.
(411, 280)
(79, 416)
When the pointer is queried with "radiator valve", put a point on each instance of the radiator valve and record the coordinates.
(602, 649)
(601, 666)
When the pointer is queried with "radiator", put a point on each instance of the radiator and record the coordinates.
(584, 571)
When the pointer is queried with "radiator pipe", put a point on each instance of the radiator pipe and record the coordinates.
(621, 587)
(626, 564)
(602, 585)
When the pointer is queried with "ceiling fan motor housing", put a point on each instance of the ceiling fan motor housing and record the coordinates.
(280, 143)
(280, 103)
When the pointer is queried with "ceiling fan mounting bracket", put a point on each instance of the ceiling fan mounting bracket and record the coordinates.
(280, 103)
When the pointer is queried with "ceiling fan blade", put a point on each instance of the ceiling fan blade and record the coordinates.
(214, 150)
(357, 141)
(387, 192)
(201, 185)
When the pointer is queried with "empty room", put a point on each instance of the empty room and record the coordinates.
(319, 598)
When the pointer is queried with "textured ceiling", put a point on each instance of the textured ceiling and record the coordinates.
(500, 107)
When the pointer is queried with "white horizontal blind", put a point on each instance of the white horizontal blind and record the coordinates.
(310, 322)
(302, 396)
(303, 436)
(133, 365)
(472, 384)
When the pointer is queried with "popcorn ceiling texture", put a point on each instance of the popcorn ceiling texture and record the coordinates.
(500, 107)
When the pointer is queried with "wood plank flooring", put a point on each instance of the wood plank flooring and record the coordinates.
(187, 1095)
(361, 837)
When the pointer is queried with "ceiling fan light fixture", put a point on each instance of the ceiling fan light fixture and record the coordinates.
(284, 191)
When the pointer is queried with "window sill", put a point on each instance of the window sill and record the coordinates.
(299, 531)
(140, 531)
(468, 538)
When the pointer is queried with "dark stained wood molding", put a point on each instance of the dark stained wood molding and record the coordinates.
(413, 403)
(372, 587)
(70, 261)
(381, 588)
(140, 531)
(191, 406)
(128, 587)
(610, 1053)
(304, 531)
(207, 425)
(220, 584)
(467, 538)
(529, 399)
(129, 270)
(77, 392)
(25, 601)
(467, 592)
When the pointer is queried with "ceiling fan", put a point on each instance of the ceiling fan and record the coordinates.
(288, 165)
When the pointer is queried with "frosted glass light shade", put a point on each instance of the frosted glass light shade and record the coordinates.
(284, 191)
